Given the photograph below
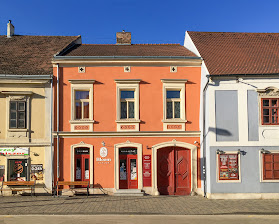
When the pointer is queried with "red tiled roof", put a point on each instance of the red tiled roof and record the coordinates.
(30, 55)
(149, 50)
(238, 53)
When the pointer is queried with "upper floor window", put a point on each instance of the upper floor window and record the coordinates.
(17, 115)
(269, 110)
(82, 103)
(173, 104)
(127, 104)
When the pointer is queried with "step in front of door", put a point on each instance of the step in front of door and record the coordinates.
(128, 192)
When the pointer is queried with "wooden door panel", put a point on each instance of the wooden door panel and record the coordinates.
(165, 171)
(182, 171)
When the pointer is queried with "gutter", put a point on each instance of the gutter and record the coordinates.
(247, 75)
(51, 129)
(124, 57)
(35, 77)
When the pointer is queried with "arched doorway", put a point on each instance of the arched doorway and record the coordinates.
(174, 171)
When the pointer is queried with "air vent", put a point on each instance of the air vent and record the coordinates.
(127, 68)
(173, 68)
(81, 69)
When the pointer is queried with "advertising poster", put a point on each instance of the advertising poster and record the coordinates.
(37, 172)
(228, 167)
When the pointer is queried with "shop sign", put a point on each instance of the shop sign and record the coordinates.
(128, 151)
(37, 172)
(103, 154)
(146, 170)
(14, 151)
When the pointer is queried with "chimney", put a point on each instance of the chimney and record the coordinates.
(123, 38)
(10, 29)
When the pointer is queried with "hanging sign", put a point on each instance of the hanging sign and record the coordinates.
(14, 151)
(146, 170)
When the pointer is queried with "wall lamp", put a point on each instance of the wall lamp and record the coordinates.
(263, 151)
(220, 151)
(103, 143)
(241, 152)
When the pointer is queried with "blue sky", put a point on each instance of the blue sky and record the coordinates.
(151, 21)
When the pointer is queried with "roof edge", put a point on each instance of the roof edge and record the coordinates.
(70, 45)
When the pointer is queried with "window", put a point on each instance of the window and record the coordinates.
(269, 109)
(271, 166)
(228, 166)
(127, 104)
(173, 104)
(17, 114)
(82, 104)
(174, 118)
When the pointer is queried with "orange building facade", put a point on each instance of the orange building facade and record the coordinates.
(128, 118)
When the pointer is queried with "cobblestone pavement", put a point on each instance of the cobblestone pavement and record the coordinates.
(146, 205)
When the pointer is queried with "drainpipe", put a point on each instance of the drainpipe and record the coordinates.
(204, 136)
(51, 129)
(57, 130)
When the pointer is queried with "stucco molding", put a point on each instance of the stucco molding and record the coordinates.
(116, 162)
(174, 143)
(91, 160)
(269, 91)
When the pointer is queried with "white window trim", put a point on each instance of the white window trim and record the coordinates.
(261, 167)
(178, 85)
(239, 168)
(82, 85)
(129, 85)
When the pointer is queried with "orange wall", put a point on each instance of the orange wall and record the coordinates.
(151, 95)
(104, 173)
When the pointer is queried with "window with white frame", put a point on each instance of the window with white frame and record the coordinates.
(127, 104)
(270, 166)
(174, 105)
(127, 98)
(173, 109)
(82, 103)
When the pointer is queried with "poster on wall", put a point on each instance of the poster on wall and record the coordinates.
(2, 172)
(228, 167)
(37, 172)
(123, 173)
(146, 170)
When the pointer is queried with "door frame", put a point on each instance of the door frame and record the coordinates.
(174, 143)
(91, 163)
(116, 162)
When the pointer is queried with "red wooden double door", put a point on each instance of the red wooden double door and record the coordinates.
(174, 171)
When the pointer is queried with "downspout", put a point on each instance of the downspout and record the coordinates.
(51, 129)
(57, 117)
(204, 136)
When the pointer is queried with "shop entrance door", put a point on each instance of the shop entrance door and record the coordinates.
(174, 171)
(128, 174)
(82, 172)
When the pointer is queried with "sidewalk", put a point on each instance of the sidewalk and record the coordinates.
(147, 205)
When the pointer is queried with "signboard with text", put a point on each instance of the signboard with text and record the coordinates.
(14, 151)
(146, 170)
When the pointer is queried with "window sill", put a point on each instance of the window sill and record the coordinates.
(17, 130)
(174, 121)
(128, 121)
(229, 181)
(270, 181)
(81, 121)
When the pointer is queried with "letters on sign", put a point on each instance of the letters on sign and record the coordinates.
(37, 172)
(146, 170)
(81, 127)
(127, 127)
(14, 151)
(174, 126)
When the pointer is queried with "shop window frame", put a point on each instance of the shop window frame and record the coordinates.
(218, 180)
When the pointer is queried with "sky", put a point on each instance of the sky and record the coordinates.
(149, 21)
